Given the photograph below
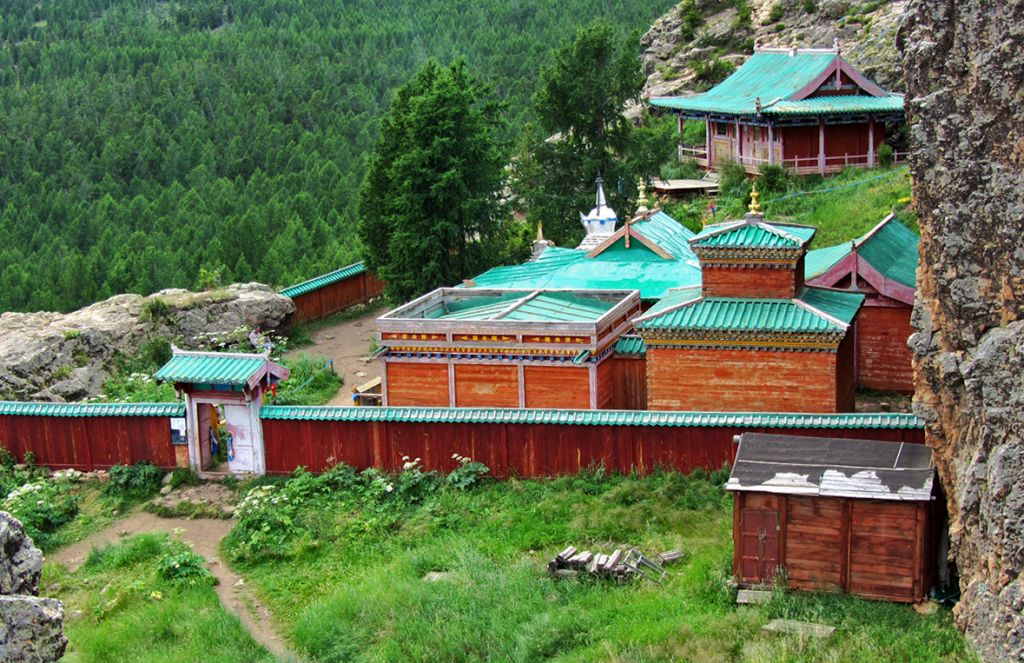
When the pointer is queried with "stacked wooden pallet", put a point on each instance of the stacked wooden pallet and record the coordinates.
(621, 565)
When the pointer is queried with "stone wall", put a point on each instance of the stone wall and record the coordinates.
(964, 66)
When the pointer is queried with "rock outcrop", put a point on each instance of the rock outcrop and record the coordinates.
(681, 46)
(65, 357)
(964, 63)
(31, 628)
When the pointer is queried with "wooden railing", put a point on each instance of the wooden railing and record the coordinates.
(799, 165)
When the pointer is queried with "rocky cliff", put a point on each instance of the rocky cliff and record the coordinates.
(58, 357)
(31, 628)
(964, 64)
(699, 41)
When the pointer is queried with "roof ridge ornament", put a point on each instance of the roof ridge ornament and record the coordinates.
(754, 215)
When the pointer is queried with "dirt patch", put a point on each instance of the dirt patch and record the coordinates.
(204, 535)
(207, 500)
(348, 345)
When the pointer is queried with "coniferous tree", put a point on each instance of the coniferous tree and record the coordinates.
(430, 211)
(582, 131)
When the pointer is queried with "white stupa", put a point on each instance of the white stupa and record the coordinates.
(600, 222)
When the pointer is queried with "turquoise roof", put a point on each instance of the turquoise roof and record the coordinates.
(674, 298)
(211, 368)
(753, 232)
(27, 409)
(773, 77)
(525, 306)
(324, 280)
(593, 417)
(759, 315)
(630, 346)
(616, 268)
(891, 248)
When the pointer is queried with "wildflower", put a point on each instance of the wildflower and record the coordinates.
(156, 596)
(389, 488)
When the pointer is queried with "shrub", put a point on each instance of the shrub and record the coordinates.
(776, 13)
(690, 19)
(695, 132)
(155, 309)
(133, 482)
(154, 352)
(685, 170)
(184, 567)
(132, 550)
(467, 474)
(810, 6)
(183, 476)
(42, 506)
(711, 72)
(886, 155)
(774, 179)
(312, 382)
(732, 177)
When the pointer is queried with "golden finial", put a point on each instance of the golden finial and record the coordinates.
(641, 199)
(540, 231)
(755, 207)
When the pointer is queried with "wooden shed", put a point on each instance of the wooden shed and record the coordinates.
(831, 514)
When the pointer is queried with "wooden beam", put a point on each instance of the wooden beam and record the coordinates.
(592, 374)
(522, 385)
(821, 145)
(871, 141)
(771, 143)
(451, 383)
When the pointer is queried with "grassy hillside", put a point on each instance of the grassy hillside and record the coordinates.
(340, 559)
(157, 143)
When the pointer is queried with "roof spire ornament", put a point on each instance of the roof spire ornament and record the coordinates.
(600, 222)
(641, 199)
(755, 205)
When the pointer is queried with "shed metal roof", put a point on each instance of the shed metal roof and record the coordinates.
(830, 467)
(594, 417)
(33, 409)
(780, 78)
(324, 280)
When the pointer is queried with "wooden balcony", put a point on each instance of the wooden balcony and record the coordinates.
(799, 165)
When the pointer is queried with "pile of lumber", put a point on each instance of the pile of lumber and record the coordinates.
(621, 565)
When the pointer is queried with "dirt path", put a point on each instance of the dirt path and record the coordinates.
(205, 536)
(347, 343)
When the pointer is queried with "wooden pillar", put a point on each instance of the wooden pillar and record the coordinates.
(679, 128)
(871, 141)
(383, 382)
(707, 139)
(592, 374)
(771, 143)
(522, 385)
(739, 143)
(821, 145)
(451, 383)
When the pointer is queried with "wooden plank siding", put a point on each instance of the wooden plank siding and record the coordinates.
(519, 449)
(337, 296)
(872, 548)
(629, 383)
(417, 384)
(563, 387)
(883, 358)
(705, 379)
(760, 282)
(486, 385)
(89, 443)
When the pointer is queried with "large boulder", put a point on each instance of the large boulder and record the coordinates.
(66, 357)
(31, 628)
(964, 66)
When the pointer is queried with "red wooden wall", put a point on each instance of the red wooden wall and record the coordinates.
(747, 281)
(417, 384)
(629, 382)
(714, 380)
(89, 443)
(519, 449)
(883, 358)
(337, 296)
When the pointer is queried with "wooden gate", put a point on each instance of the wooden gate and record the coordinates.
(759, 545)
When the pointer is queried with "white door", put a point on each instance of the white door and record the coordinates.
(241, 439)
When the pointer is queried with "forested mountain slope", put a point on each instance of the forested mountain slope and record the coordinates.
(143, 141)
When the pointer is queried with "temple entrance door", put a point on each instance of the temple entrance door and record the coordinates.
(242, 440)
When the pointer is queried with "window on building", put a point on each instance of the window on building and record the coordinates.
(721, 129)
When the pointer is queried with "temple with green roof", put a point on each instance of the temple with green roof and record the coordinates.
(752, 336)
(806, 109)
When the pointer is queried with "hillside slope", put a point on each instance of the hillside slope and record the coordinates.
(143, 140)
(698, 42)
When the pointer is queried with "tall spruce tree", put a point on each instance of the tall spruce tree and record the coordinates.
(582, 131)
(430, 210)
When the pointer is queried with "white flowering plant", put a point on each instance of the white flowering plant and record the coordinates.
(184, 567)
(42, 506)
(467, 473)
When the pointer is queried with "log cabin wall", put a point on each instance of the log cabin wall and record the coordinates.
(883, 358)
(872, 548)
(747, 380)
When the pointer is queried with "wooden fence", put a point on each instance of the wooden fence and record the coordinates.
(328, 294)
(90, 437)
(547, 444)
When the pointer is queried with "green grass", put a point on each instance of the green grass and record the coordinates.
(839, 215)
(128, 613)
(312, 381)
(352, 588)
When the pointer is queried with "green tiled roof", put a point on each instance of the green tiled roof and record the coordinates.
(636, 268)
(92, 409)
(775, 77)
(891, 248)
(760, 315)
(543, 307)
(592, 417)
(630, 346)
(211, 368)
(326, 279)
(674, 298)
(756, 234)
